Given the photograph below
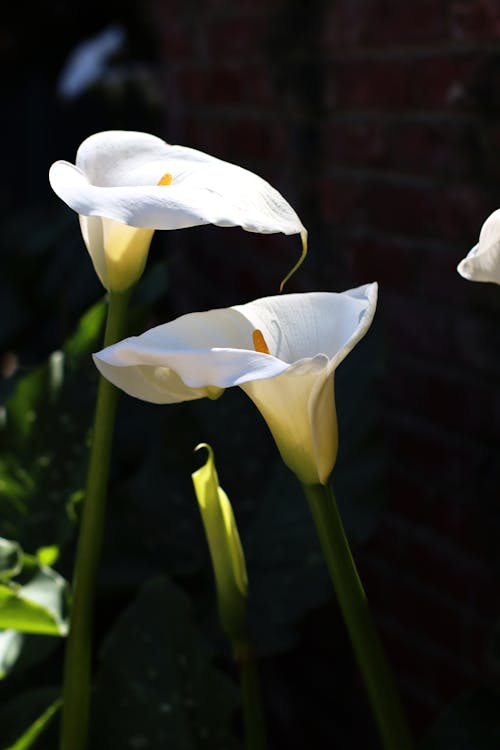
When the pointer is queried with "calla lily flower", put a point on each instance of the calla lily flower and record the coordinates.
(125, 185)
(282, 351)
(483, 261)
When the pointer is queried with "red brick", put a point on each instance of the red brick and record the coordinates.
(388, 263)
(344, 23)
(425, 555)
(477, 342)
(489, 151)
(439, 679)
(244, 140)
(461, 211)
(240, 37)
(391, 21)
(437, 458)
(190, 85)
(453, 401)
(475, 19)
(413, 326)
(176, 40)
(349, 143)
(239, 84)
(401, 208)
(434, 149)
(225, 85)
(443, 81)
(242, 7)
(341, 200)
(437, 277)
(425, 616)
(368, 84)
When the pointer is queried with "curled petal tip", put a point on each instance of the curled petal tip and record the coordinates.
(204, 445)
(303, 237)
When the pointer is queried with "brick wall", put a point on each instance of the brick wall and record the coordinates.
(380, 121)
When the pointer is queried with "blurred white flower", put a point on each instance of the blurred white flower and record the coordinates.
(88, 62)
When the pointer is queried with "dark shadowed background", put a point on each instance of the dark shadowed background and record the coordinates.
(379, 121)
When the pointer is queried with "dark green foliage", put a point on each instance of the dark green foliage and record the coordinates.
(153, 526)
(156, 666)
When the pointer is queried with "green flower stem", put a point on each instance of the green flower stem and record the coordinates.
(253, 713)
(78, 656)
(382, 692)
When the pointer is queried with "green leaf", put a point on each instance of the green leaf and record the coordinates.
(47, 555)
(11, 559)
(44, 447)
(36, 607)
(287, 574)
(156, 685)
(88, 332)
(35, 730)
(33, 709)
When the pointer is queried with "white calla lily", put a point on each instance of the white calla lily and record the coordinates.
(125, 185)
(301, 338)
(483, 261)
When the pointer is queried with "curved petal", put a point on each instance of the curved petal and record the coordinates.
(299, 409)
(178, 361)
(292, 385)
(116, 176)
(483, 261)
(118, 252)
(298, 326)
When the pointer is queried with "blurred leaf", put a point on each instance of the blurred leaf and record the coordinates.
(156, 685)
(11, 643)
(47, 555)
(287, 576)
(11, 559)
(152, 286)
(35, 604)
(472, 722)
(44, 449)
(20, 651)
(26, 710)
(88, 332)
(35, 730)
(36, 607)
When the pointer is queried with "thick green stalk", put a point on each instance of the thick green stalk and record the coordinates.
(382, 692)
(254, 722)
(78, 656)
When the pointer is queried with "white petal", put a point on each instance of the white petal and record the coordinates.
(298, 326)
(116, 176)
(483, 261)
(178, 361)
(300, 412)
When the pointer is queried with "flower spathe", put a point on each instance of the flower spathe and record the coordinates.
(483, 261)
(125, 185)
(224, 543)
(200, 354)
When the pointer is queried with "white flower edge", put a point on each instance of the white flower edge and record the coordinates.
(200, 354)
(483, 261)
(116, 175)
(215, 348)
